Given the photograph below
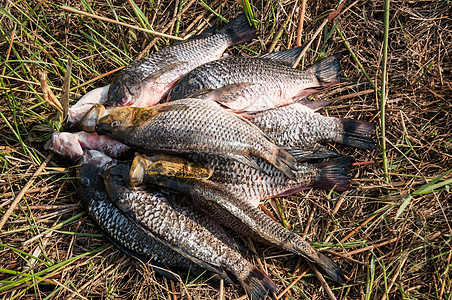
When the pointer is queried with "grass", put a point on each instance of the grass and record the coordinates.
(383, 94)
(392, 238)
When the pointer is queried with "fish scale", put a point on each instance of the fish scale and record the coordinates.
(240, 215)
(186, 229)
(261, 82)
(299, 126)
(252, 184)
(167, 122)
(144, 82)
(175, 127)
(247, 183)
(115, 225)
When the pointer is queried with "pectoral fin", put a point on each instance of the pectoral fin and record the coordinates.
(286, 57)
(225, 94)
(159, 73)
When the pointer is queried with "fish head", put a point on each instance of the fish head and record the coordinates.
(163, 165)
(187, 87)
(125, 89)
(65, 144)
(89, 120)
(92, 164)
(116, 179)
(115, 121)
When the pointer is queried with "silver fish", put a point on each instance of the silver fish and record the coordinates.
(251, 84)
(299, 126)
(146, 81)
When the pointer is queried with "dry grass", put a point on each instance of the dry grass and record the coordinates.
(393, 240)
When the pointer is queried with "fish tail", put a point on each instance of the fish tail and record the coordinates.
(283, 161)
(239, 30)
(328, 70)
(258, 285)
(330, 268)
(334, 174)
(357, 134)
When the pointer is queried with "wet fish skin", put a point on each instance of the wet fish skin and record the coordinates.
(117, 227)
(192, 125)
(251, 84)
(144, 82)
(186, 229)
(297, 125)
(245, 182)
(240, 215)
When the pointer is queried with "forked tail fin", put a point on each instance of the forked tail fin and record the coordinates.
(334, 174)
(328, 71)
(330, 268)
(358, 134)
(239, 30)
(258, 285)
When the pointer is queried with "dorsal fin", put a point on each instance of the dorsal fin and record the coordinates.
(286, 57)
(206, 33)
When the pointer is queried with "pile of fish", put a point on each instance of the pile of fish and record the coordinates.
(185, 141)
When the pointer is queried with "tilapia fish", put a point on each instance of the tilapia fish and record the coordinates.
(188, 126)
(250, 84)
(243, 181)
(144, 82)
(71, 145)
(297, 125)
(114, 224)
(242, 216)
(189, 231)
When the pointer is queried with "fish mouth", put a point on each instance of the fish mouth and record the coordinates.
(89, 120)
(101, 130)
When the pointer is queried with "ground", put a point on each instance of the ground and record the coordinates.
(390, 233)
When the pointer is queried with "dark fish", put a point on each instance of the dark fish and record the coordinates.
(144, 82)
(245, 182)
(72, 144)
(189, 231)
(244, 217)
(250, 84)
(297, 125)
(188, 126)
(112, 222)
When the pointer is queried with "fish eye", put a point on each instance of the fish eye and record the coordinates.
(115, 123)
(177, 89)
(169, 173)
(85, 181)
